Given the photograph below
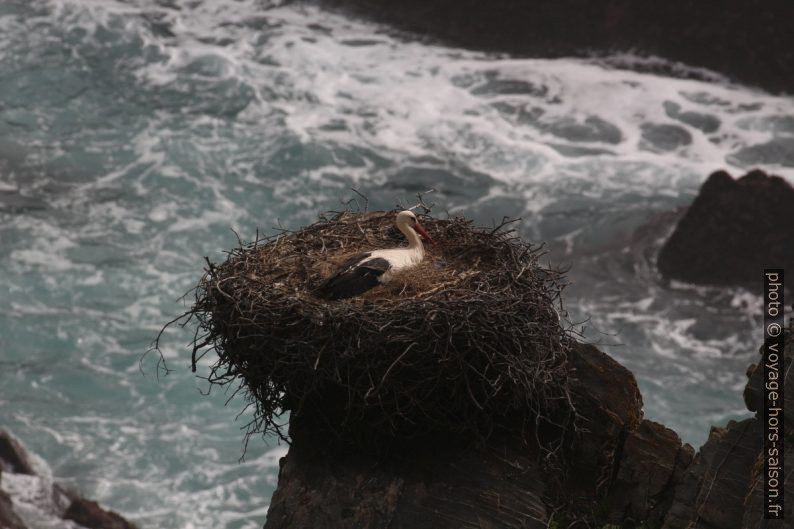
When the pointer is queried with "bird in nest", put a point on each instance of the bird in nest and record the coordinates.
(367, 270)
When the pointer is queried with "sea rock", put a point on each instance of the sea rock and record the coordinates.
(62, 503)
(651, 462)
(712, 492)
(724, 487)
(433, 489)
(754, 391)
(755, 502)
(622, 469)
(438, 484)
(749, 41)
(732, 231)
(8, 518)
(89, 514)
(606, 396)
(13, 457)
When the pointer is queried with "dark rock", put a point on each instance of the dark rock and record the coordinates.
(440, 484)
(89, 514)
(61, 502)
(711, 494)
(754, 390)
(747, 40)
(432, 489)
(732, 231)
(652, 461)
(606, 396)
(634, 472)
(755, 502)
(604, 390)
(8, 518)
(724, 487)
(13, 458)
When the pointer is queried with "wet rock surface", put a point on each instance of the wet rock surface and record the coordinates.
(61, 503)
(89, 514)
(13, 457)
(8, 518)
(747, 41)
(732, 231)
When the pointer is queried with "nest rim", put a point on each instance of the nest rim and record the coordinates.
(273, 390)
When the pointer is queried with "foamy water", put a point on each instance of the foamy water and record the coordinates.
(135, 136)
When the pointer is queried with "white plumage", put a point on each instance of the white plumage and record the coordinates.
(367, 270)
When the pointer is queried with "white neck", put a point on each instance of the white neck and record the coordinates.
(414, 241)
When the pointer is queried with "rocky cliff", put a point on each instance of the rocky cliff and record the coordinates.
(618, 469)
(749, 40)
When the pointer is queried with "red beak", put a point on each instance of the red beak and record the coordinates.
(426, 236)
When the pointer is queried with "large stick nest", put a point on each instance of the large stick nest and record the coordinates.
(469, 335)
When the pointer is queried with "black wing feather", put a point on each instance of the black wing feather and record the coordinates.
(353, 278)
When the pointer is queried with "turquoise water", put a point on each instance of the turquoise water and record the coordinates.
(136, 135)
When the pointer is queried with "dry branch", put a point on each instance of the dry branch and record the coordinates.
(470, 335)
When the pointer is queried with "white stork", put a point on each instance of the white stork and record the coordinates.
(367, 270)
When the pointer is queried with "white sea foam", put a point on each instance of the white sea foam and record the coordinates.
(33, 497)
(163, 128)
(34, 501)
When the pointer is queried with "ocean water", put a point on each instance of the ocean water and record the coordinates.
(137, 136)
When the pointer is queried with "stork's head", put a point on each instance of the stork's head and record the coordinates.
(407, 219)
